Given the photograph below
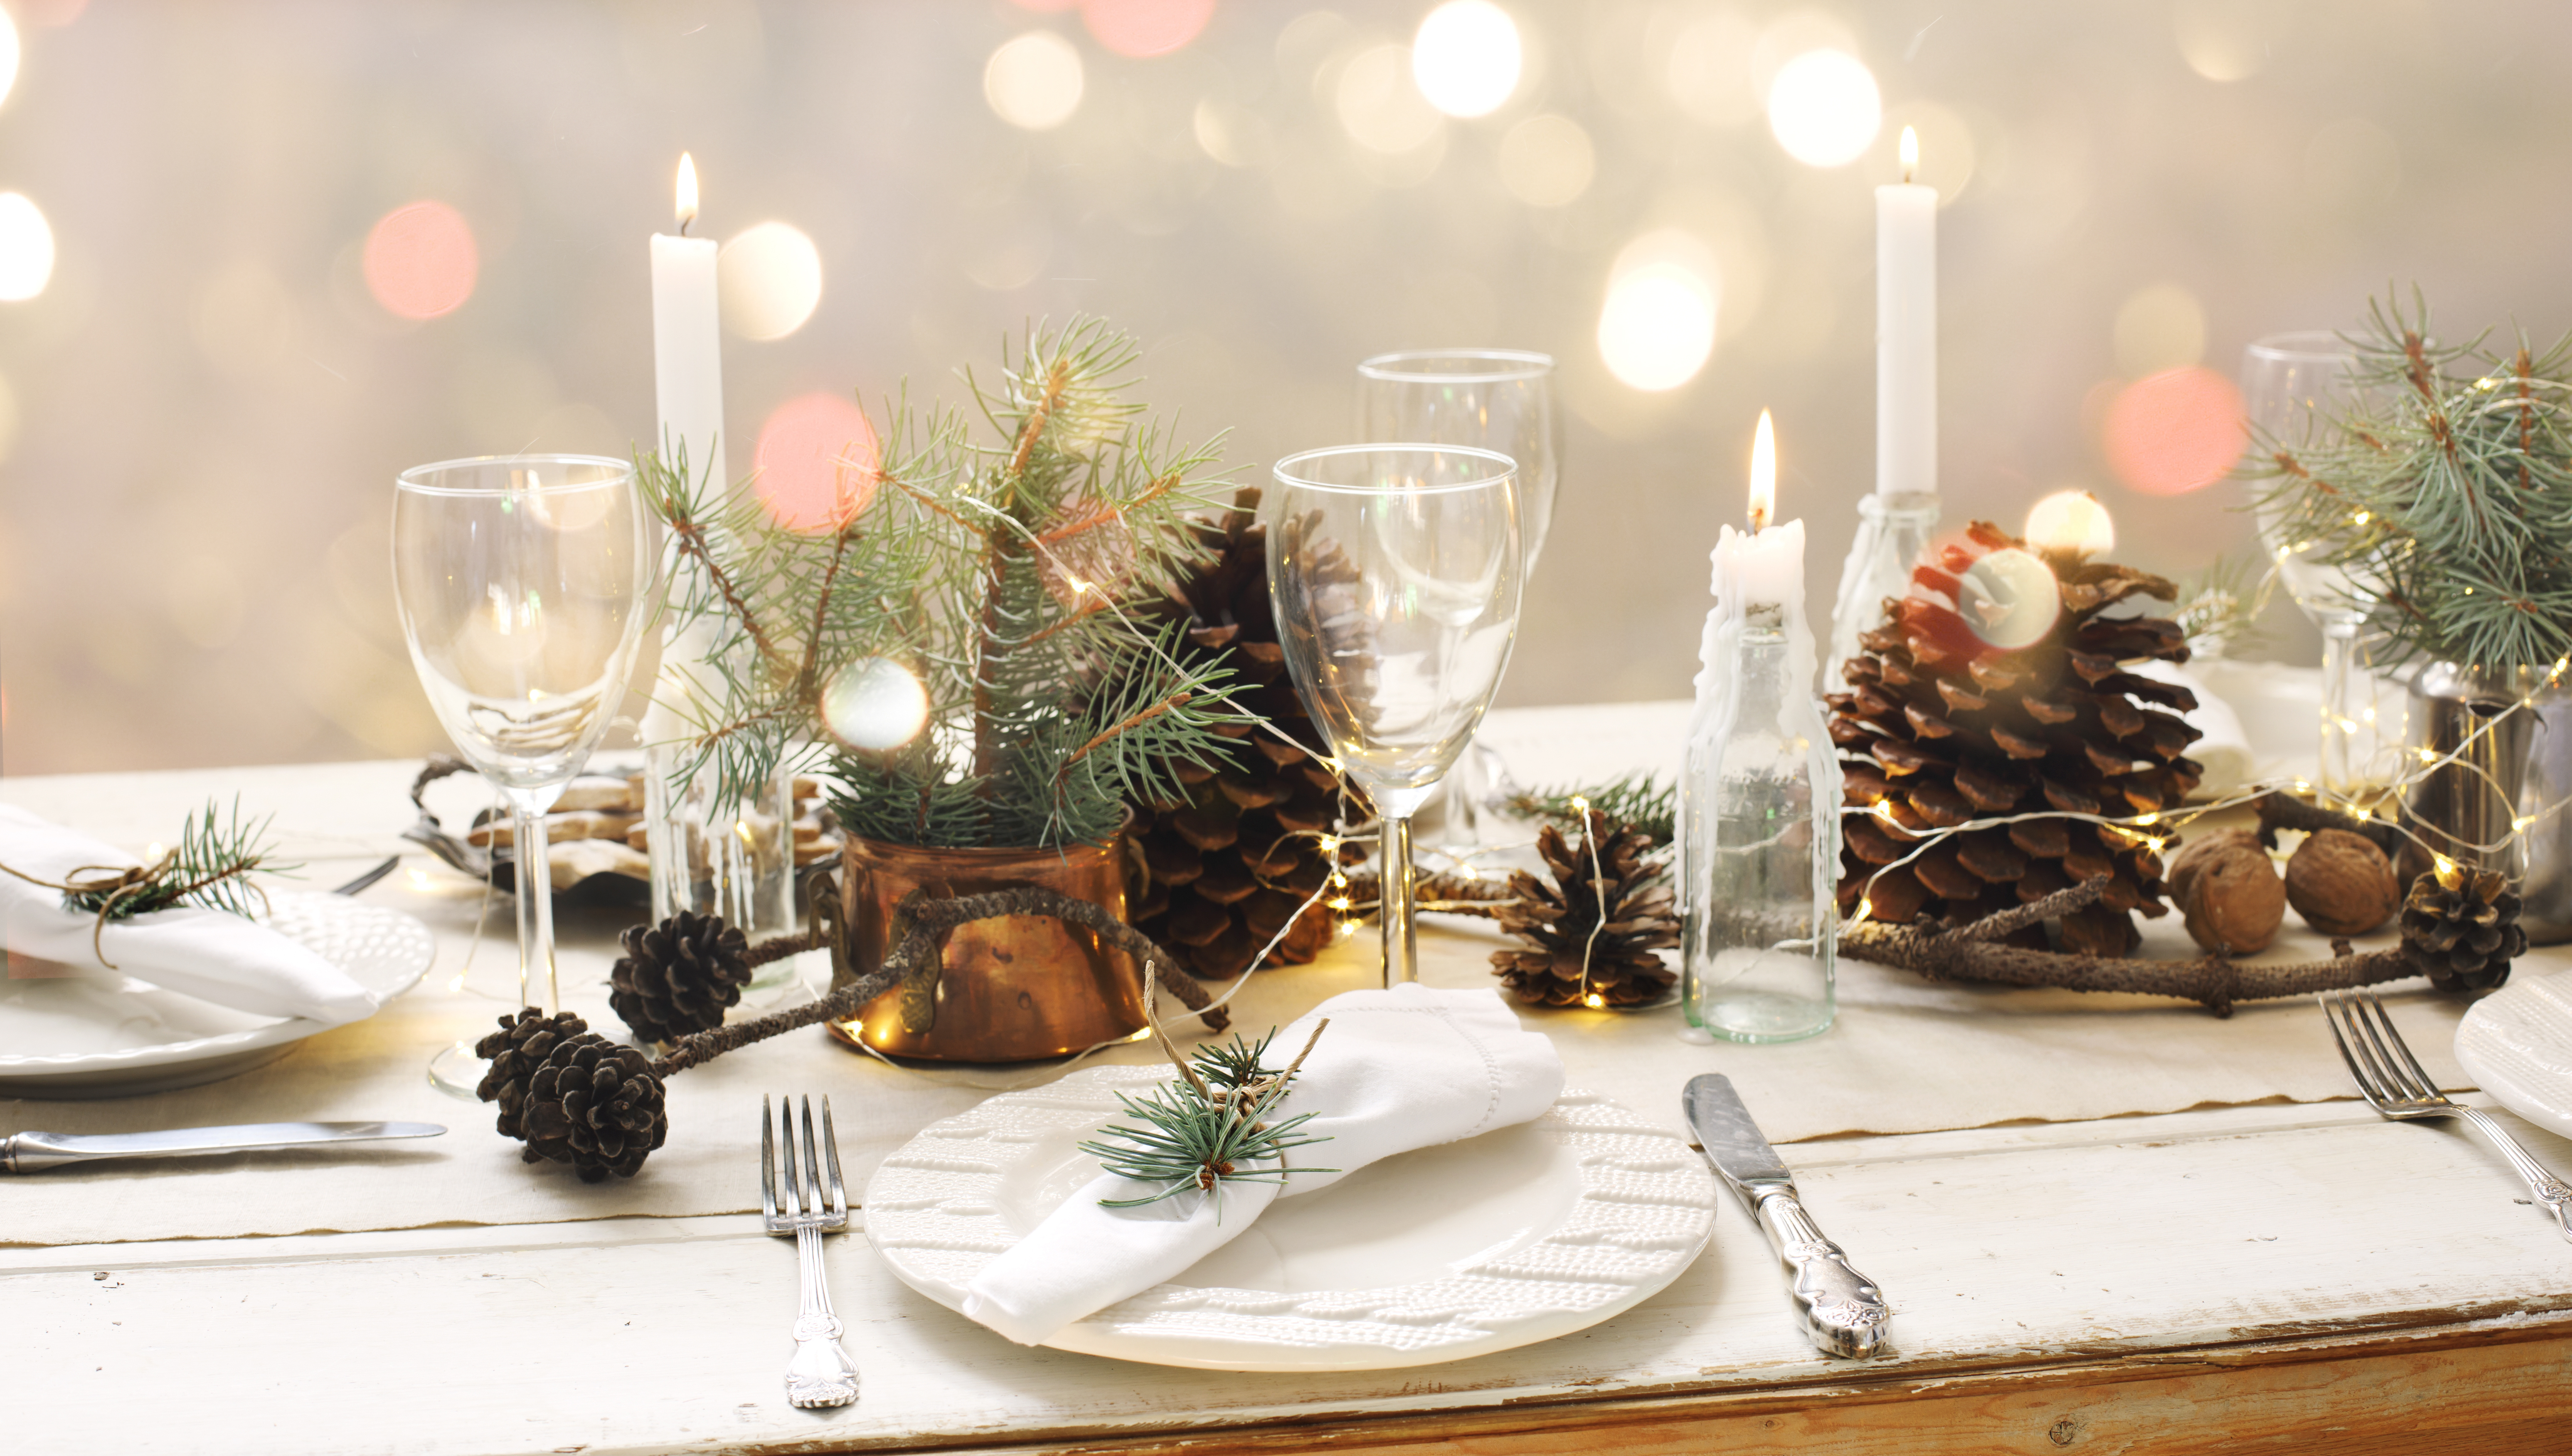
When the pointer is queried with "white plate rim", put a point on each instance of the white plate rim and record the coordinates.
(2483, 1026)
(398, 976)
(914, 1185)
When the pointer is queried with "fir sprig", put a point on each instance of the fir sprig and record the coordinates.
(1635, 801)
(211, 867)
(1212, 1126)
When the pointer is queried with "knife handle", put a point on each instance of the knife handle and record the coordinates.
(1842, 1310)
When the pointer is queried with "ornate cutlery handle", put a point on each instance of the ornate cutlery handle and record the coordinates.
(821, 1374)
(1842, 1310)
(2551, 1192)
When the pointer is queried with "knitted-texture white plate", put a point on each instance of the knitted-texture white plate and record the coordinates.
(1514, 1237)
(2516, 1043)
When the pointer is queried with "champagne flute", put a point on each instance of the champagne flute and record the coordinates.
(2295, 388)
(524, 582)
(1395, 572)
(1500, 399)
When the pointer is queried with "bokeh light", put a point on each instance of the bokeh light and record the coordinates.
(25, 248)
(1033, 81)
(1140, 28)
(1656, 328)
(875, 704)
(770, 280)
(1546, 160)
(1466, 57)
(1824, 108)
(8, 54)
(2071, 520)
(2227, 40)
(1378, 105)
(2173, 432)
(420, 261)
(2159, 327)
(817, 461)
(1707, 68)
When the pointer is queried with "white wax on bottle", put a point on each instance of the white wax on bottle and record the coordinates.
(1906, 339)
(1766, 568)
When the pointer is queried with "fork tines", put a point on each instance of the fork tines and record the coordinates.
(2381, 1061)
(800, 1197)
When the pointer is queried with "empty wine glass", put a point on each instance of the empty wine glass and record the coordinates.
(2296, 390)
(1395, 572)
(524, 582)
(1500, 399)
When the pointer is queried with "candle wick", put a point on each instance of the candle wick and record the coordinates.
(683, 226)
(1758, 520)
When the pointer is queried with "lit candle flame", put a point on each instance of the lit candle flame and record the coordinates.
(1910, 153)
(2072, 522)
(1763, 473)
(687, 192)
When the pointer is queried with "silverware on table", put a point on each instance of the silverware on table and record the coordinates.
(821, 1373)
(366, 879)
(2390, 1079)
(1843, 1313)
(34, 1152)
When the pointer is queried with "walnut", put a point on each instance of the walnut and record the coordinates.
(2229, 892)
(2341, 884)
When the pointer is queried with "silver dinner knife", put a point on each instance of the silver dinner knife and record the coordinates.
(35, 1152)
(1843, 1312)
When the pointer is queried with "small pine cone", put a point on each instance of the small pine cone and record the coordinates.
(2462, 927)
(680, 976)
(1593, 933)
(515, 1052)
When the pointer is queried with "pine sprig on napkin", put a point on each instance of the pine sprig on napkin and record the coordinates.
(1209, 1128)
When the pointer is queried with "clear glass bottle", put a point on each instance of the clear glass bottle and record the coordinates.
(1891, 531)
(1759, 835)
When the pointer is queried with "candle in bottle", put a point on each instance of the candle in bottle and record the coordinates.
(687, 357)
(1906, 331)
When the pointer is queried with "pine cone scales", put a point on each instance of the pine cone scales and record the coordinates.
(2462, 926)
(680, 976)
(573, 1095)
(1216, 875)
(1940, 728)
(1594, 929)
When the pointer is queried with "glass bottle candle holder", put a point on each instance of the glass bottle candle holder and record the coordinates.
(717, 857)
(1891, 533)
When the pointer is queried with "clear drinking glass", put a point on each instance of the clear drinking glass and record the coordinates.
(524, 582)
(1395, 573)
(2295, 388)
(1500, 399)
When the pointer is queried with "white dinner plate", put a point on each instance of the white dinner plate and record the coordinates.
(99, 1035)
(2516, 1043)
(1514, 1237)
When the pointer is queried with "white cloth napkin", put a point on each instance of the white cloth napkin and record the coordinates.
(2224, 749)
(1398, 1070)
(212, 954)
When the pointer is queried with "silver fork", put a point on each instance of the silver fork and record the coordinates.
(821, 1373)
(2390, 1079)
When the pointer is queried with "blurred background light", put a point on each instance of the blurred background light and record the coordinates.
(2159, 327)
(25, 248)
(1707, 68)
(1466, 57)
(817, 461)
(2173, 432)
(1546, 160)
(420, 261)
(1380, 106)
(1658, 327)
(1033, 81)
(2228, 40)
(1824, 108)
(875, 704)
(1140, 28)
(770, 279)
(8, 54)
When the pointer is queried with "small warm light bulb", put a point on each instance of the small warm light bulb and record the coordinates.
(1342, 903)
(2521, 824)
(1580, 804)
(2071, 522)
(1330, 844)
(153, 852)
(687, 209)
(1595, 1002)
(1910, 153)
(1763, 473)
(2446, 865)
(1865, 907)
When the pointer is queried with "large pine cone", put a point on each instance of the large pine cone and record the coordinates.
(1218, 874)
(1940, 727)
(2461, 927)
(573, 1095)
(680, 976)
(1622, 897)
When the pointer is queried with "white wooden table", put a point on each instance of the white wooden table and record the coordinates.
(2273, 1276)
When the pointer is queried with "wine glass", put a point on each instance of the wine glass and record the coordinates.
(1395, 572)
(524, 582)
(2296, 390)
(1500, 399)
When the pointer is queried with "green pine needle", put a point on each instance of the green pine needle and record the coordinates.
(1635, 801)
(1203, 1142)
(209, 868)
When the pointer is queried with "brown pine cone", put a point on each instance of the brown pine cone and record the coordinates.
(1939, 728)
(1620, 896)
(2461, 927)
(680, 976)
(573, 1095)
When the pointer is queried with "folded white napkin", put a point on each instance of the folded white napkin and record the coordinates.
(2224, 749)
(212, 954)
(1398, 1070)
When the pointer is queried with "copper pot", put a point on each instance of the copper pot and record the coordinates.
(1015, 989)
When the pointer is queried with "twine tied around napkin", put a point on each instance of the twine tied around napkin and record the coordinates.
(211, 867)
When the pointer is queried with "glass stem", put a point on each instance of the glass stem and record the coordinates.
(2339, 712)
(535, 911)
(1401, 950)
